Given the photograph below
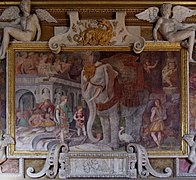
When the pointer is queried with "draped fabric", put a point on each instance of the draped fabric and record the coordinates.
(130, 77)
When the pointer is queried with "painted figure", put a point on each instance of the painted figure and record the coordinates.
(42, 66)
(20, 59)
(22, 118)
(43, 114)
(63, 117)
(29, 65)
(80, 119)
(46, 94)
(57, 96)
(168, 72)
(158, 115)
(147, 66)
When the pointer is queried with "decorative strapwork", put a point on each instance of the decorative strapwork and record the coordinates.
(143, 165)
(97, 33)
(51, 166)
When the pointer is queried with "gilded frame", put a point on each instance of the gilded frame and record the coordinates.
(43, 47)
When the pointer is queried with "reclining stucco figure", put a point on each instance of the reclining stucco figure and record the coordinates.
(171, 28)
(25, 27)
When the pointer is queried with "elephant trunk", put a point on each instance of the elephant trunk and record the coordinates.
(97, 92)
(92, 115)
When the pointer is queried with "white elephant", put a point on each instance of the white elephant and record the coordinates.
(99, 89)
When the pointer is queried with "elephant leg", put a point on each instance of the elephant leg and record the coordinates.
(192, 167)
(128, 114)
(114, 123)
(106, 130)
(128, 125)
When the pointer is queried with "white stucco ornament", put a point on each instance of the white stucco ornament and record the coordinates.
(65, 164)
(100, 32)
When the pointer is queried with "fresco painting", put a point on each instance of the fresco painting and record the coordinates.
(51, 105)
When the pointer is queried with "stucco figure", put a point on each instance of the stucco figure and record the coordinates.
(190, 139)
(5, 139)
(171, 28)
(25, 27)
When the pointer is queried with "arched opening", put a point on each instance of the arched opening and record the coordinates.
(26, 100)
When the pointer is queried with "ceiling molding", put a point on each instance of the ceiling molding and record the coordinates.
(94, 3)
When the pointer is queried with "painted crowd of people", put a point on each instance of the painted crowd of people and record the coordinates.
(48, 64)
(47, 114)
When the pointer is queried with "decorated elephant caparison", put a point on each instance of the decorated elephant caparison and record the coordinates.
(99, 89)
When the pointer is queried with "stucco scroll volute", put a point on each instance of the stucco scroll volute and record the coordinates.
(97, 33)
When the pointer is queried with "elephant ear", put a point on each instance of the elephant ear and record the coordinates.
(110, 76)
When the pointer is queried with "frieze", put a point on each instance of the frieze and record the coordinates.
(97, 33)
(131, 164)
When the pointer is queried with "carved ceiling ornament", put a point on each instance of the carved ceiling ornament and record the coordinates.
(97, 33)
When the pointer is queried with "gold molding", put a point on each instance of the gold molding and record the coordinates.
(98, 9)
(99, 3)
(167, 46)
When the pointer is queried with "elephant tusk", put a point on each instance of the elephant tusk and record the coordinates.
(97, 92)
(85, 85)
